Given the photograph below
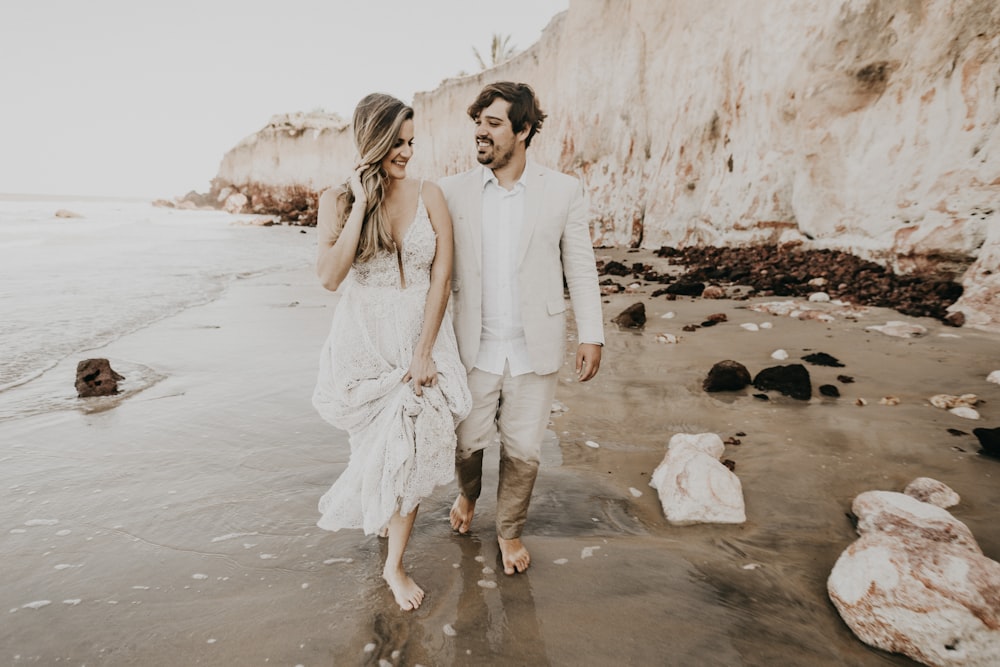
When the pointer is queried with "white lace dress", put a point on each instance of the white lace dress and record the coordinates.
(402, 445)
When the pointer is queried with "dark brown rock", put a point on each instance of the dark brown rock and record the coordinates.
(95, 377)
(615, 269)
(686, 288)
(791, 380)
(829, 390)
(633, 317)
(955, 319)
(726, 375)
(822, 359)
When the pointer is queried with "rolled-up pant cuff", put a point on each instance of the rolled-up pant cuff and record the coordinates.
(517, 480)
(470, 475)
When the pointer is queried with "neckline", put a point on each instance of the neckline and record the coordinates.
(409, 227)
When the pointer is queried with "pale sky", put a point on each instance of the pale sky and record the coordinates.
(143, 98)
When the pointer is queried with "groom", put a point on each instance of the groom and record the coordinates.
(519, 229)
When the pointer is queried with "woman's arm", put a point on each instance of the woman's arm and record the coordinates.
(338, 244)
(422, 369)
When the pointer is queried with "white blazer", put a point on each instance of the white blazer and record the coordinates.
(555, 242)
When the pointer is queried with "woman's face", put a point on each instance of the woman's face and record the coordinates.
(394, 164)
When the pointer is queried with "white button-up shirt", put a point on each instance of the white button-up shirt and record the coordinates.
(502, 341)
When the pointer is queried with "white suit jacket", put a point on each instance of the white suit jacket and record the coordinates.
(555, 242)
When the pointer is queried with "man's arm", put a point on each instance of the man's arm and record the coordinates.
(580, 269)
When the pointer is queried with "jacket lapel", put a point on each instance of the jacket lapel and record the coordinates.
(474, 216)
(534, 196)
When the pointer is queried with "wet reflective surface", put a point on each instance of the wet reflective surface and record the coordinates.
(178, 526)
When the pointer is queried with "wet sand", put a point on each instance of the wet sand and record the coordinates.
(175, 525)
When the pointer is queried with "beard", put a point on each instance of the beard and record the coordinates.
(494, 159)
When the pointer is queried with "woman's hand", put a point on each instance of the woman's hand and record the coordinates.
(423, 372)
(358, 190)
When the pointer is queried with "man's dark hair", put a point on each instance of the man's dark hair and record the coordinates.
(524, 110)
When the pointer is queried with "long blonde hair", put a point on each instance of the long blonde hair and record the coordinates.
(378, 119)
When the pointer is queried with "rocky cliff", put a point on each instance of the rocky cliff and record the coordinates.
(870, 126)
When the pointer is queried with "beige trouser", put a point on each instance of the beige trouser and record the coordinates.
(517, 409)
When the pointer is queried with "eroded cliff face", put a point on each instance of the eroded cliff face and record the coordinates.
(871, 126)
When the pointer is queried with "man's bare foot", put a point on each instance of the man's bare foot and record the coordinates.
(514, 554)
(461, 513)
(408, 595)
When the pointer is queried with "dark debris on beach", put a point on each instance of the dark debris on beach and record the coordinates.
(776, 271)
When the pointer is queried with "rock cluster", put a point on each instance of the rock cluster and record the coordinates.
(916, 581)
(773, 270)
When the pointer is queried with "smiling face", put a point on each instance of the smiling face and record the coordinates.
(394, 164)
(496, 141)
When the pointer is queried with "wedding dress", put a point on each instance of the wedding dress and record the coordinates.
(402, 445)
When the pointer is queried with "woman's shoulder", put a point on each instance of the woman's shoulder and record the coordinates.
(333, 194)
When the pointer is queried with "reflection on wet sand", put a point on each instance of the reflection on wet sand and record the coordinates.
(495, 620)
(179, 527)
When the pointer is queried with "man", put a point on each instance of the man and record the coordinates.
(519, 229)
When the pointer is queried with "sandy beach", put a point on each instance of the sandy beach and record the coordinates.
(176, 525)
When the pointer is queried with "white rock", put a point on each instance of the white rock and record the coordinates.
(235, 202)
(670, 339)
(899, 329)
(694, 486)
(766, 325)
(592, 444)
(916, 583)
(780, 355)
(948, 401)
(668, 315)
(820, 297)
(964, 412)
(994, 377)
(750, 326)
(932, 491)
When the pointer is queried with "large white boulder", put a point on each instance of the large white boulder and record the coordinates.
(694, 486)
(917, 583)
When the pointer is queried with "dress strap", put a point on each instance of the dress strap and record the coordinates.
(420, 188)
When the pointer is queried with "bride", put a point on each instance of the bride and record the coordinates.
(390, 373)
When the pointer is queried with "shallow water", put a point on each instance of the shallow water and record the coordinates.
(185, 513)
(73, 284)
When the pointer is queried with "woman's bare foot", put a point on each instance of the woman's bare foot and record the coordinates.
(514, 554)
(461, 513)
(408, 595)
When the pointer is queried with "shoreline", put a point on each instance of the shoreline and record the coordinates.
(190, 506)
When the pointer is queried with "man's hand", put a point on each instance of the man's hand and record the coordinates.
(588, 360)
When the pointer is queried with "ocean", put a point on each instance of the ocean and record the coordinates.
(71, 285)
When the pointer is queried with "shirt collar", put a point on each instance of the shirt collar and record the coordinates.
(490, 177)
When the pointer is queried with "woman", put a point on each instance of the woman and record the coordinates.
(389, 374)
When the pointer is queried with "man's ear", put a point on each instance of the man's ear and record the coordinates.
(523, 134)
